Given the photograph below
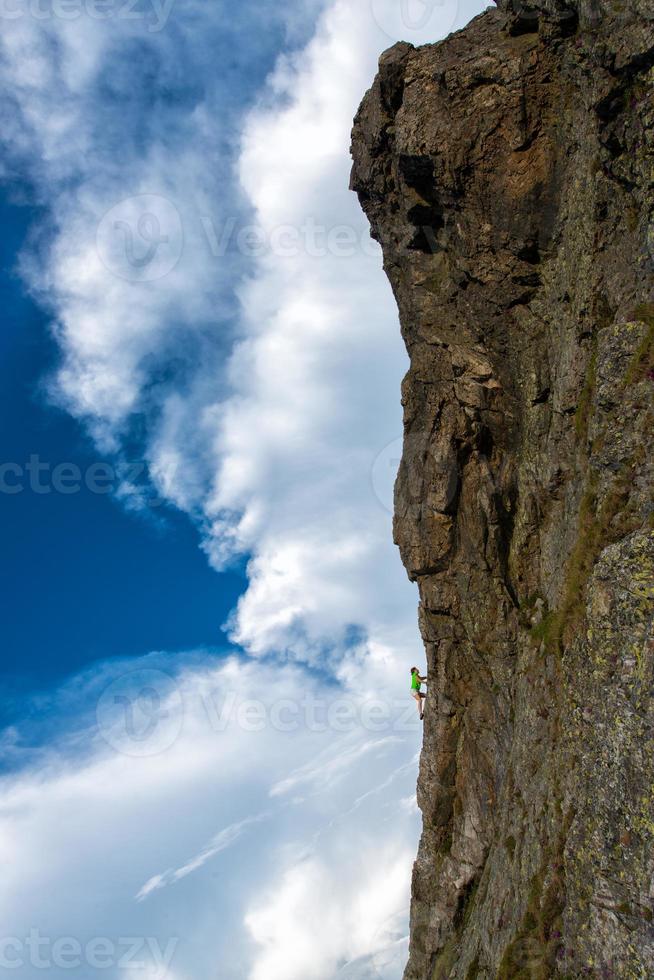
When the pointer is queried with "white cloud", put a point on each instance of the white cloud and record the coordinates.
(192, 845)
(313, 405)
(323, 351)
(309, 926)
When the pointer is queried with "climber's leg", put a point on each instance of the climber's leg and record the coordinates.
(419, 697)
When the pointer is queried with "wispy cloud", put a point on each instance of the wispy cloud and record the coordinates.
(219, 842)
(332, 765)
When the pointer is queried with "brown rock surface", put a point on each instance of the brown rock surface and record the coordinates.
(508, 173)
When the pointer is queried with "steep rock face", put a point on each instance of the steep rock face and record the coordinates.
(508, 173)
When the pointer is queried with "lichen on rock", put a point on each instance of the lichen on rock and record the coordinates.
(508, 173)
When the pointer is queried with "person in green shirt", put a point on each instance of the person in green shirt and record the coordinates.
(416, 682)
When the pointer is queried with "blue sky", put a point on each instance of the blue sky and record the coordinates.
(206, 743)
(83, 578)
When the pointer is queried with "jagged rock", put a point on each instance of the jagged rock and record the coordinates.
(508, 174)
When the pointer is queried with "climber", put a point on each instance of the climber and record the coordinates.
(416, 682)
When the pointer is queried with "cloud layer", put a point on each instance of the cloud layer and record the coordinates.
(268, 837)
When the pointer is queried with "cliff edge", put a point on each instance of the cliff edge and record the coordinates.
(508, 173)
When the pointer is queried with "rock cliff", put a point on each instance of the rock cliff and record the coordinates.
(508, 173)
